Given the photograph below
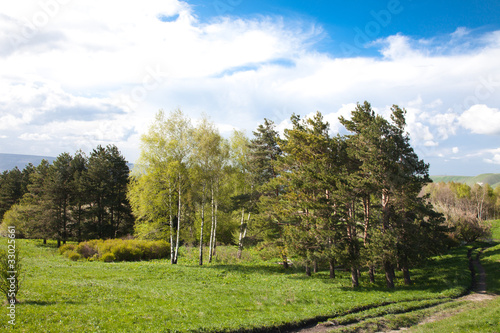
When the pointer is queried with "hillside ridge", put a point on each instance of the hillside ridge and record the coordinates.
(493, 179)
(10, 161)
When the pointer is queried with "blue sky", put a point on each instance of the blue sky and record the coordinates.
(74, 74)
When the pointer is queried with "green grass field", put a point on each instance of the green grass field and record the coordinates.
(476, 316)
(495, 230)
(59, 295)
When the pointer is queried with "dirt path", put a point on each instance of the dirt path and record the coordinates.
(479, 294)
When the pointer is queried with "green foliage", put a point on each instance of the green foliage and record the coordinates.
(123, 250)
(108, 257)
(88, 249)
(464, 208)
(72, 255)
(67, 247)
(74, 198)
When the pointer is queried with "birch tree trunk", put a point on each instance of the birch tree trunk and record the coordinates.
(211, 229)
(171, 226)
(243, 232)
(215, 229)
(178, 223)
(202, 225)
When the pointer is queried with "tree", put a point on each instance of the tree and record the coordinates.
(264, 151)
(106, 183)
(161, 180)
(206, 151)
(461, 206)
(59, 187)
(244, 198)
(78, 196)
(10, 189)
(391, 168)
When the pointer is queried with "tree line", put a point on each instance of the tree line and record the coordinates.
(465, 207)
(358, 201)
(351, 200)
(76, 197)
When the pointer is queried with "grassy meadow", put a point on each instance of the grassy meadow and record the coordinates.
(476, 316)
(60, 295)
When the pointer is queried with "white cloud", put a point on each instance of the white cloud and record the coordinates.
(494, 156)
(481, 119)
(455, 150)
(398, 47)
(94, 75)
(34, 137)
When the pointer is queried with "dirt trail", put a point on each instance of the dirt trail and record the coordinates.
(478, 294)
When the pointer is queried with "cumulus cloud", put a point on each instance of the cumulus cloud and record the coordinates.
(494, 156)
(91, 74)
(481, 119)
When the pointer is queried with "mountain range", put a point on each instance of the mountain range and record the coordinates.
(10, 161)
(486, 178)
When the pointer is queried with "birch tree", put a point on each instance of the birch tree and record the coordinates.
(161, 179)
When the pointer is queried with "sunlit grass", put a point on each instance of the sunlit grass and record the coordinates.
(59, 295)
(495, 229)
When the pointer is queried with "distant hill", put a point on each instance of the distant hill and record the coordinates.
(487, 178)
(10, 161)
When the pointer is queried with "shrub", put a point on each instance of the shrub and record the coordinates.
(87, 249)
(108, 257)
(126, 251)
(72, 255)
(119, 250)
(67, 247)
(154, 249)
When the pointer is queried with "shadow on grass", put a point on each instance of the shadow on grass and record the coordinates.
(248, 269)
(39, 243)
(38, 303)
(491, 252)
(47, 303)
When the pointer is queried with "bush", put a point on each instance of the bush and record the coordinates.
(154, 249)
(121, 250)
(108, 257)
(72, 255)
(125, 251)
(87, 249)
(67, 247)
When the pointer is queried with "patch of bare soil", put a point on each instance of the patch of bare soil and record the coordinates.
(319, 328)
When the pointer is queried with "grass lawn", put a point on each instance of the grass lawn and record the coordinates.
(477, 316)
(59, 295)
(495, 230)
